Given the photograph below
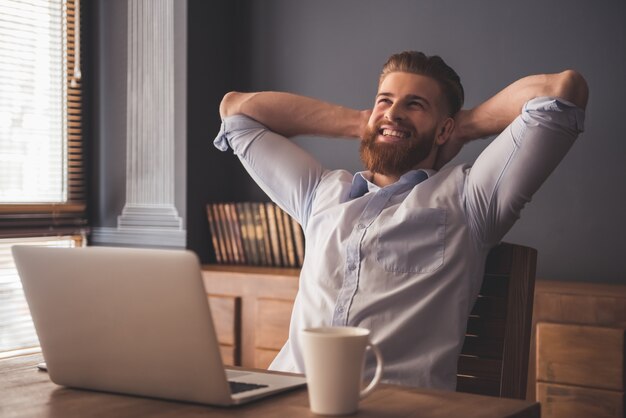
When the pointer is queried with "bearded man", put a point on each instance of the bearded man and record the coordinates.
(400, 248)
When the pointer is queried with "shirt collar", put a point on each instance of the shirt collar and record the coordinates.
(361, 182)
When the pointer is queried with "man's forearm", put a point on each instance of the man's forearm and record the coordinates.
(290, 115)
(495, 114)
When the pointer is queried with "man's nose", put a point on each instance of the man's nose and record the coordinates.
(394, 113)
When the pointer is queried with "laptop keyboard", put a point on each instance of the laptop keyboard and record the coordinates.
(238, 387)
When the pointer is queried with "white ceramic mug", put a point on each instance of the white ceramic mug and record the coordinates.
(333, 361)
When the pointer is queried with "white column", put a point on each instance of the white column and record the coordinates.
(149, 217)
(150, 117)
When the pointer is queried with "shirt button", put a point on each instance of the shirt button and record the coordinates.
(351, 267)
(340, 309)
(361, 226)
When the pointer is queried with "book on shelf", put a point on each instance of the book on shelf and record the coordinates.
(243, 232)
(281, 236)
(267, 245)
(270, 209)
(259, 233)
(298, 239)
(252, 240)
(220, 234)
(255, 233)
(228, 244)
(235, 231)
(291, 252)
(215, 239)
(234, 251)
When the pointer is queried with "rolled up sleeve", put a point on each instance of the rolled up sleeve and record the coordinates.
(513, 167)
(286, 172)
(237, 133)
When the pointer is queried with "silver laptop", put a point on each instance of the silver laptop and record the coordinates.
(132, 321)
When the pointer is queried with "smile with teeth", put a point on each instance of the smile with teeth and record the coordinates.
(394, 133)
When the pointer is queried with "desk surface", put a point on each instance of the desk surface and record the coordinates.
(27, 392)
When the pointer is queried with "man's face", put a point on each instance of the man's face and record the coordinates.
(401, 131)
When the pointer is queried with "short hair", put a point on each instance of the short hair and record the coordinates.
(429, 66)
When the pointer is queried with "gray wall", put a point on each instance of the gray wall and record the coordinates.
(333, 50)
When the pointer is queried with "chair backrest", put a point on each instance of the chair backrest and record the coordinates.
(494, 358)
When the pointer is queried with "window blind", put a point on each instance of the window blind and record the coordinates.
(42, 163)
(42, 167)
(17, 332)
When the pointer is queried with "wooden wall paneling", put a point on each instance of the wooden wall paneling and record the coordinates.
(251, 284)
(574, 303)
(226, 313)
(264, 357)
(230, 356)
(582, 355)
(272, 329)
(272, 322)
(578, 402)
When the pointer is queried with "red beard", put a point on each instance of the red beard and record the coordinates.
(397, 158)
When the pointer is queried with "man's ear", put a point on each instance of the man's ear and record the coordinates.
(444, 131)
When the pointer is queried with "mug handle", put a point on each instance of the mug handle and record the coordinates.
(379, 371)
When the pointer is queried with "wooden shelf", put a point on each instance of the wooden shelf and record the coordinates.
(255, 270)
(580, 370)
(262, 300)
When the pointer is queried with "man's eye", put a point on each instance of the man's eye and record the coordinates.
(419, 105)
(384, 101)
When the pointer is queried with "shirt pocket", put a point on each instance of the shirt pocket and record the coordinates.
(414, 243)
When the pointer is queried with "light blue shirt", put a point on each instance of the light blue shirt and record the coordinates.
(405, 261)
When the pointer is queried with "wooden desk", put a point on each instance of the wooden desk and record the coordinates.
(27, 392)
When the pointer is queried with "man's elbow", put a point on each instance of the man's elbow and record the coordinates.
(230, 104)
(573, 87)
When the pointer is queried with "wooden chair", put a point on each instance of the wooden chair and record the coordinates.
(494, 358)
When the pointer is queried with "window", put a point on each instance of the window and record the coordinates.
(42, 167)
(16, 327)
